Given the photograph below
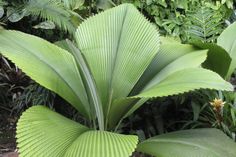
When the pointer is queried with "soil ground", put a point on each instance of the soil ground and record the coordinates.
(7, 133)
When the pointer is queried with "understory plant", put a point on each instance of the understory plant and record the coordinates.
(51, 13)
(220, 113)
(221, 59)
(117, 62)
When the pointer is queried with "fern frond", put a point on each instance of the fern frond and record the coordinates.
(52, 10)
(205, 24)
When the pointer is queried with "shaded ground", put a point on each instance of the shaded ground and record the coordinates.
(147, 114)
(7, 132)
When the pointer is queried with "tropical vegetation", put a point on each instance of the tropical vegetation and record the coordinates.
(114, 64)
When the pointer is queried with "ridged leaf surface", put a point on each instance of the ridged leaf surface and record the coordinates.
(189, 60)
(44, 133)
(170, 50)
(185, 81)
(118, 45)
(47, 64)
(182, 61)
(102, 144)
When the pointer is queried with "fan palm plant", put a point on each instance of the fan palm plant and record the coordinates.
(116, 64)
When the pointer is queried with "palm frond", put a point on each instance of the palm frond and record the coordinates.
(52, 10)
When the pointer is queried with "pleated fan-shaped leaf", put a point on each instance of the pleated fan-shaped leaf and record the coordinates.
(172, 58)
(190, 143)
(170, 63)
(47, 64)
(103, 144)
(44, 133)
(118, 45)
(181, 75)
(181, 61)
(170, 50)
(190, 60)
(186, 80)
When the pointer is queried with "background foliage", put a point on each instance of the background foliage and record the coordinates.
(177, 18)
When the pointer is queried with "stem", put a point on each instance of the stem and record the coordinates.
(91, 87)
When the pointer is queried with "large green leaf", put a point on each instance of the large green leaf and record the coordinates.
(227, 40)
(102, 144)
(44, 133)
(178, 76)
(218, 60)
(118, 45)
(190, 60)
(185, 81)
(47, 64)
(193, 59)
(170, 50)
(190, 143)
(173, 57)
